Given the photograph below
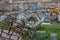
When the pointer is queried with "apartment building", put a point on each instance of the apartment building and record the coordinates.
(14, 4)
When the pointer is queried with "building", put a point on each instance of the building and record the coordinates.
(14, 4)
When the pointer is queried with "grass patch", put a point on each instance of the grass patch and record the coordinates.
(53, 28)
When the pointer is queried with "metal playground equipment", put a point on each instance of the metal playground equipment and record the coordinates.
(21, 22)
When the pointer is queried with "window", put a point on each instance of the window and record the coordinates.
(33, 5)
(54, 0)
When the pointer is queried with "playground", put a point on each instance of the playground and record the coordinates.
(25, 21)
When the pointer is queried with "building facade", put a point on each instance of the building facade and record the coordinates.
(41, 3)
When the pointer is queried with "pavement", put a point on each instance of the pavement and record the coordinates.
(5, 35)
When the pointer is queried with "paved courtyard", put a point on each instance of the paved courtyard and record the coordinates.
(5, 35)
